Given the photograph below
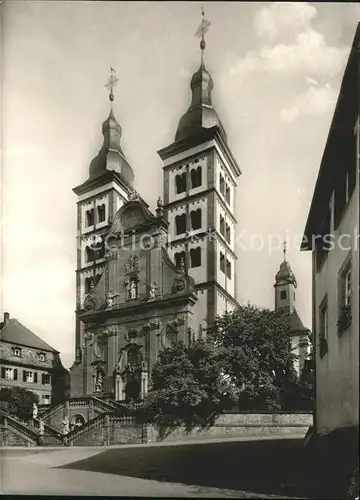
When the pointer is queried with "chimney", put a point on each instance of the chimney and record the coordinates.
(6, 318)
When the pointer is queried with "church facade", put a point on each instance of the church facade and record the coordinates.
(147, 279)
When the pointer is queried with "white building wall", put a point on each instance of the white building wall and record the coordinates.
(337, 372)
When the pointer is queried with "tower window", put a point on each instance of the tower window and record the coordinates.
(195, 217)
(283, 294)
(180, 260)
(222, 262)
(227, 194)
(98, 252)
(195, 257)
(228, 269)
(222, 225)
(89, 217)
(180, 224)
(17, 352)
(101, 213)
(180, 182)
(227, 235)
(89, 254)
(196, 180)
(222, 185)
(89, 284)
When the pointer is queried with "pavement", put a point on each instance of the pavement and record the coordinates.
(34, 471)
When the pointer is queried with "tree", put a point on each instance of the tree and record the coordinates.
(19, 401)
(254, 348)
(187, 387)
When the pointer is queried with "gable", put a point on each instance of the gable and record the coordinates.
(17, 333)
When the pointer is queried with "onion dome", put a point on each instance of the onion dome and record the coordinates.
(285, 274)
(201, 114)
(111, 156)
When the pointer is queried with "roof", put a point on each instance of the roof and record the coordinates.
(296, 325)
(344, 118)
(18, 334)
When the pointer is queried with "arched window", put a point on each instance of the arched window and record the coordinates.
(222, 262)
(227, 194)
(98, 251)
(222, 225)
(89, 254)
(180, 182)
(89, 214)
(180, 224)
(134, 356)
(227, 233)
(195, 257)
(283, 294)
(196, 180)
(228, 269)
(195, 218)
(222, 185)
(179, 259)
(101, 213)
(89, 284)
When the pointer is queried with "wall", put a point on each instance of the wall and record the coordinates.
(337, 372)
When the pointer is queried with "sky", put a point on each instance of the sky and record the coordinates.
(277, 69)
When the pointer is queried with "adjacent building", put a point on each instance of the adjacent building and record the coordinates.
(27, 361)
(332, 234)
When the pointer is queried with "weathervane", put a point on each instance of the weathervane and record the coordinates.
(200, 32)
(113, 79)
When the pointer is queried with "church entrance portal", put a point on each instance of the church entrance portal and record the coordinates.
(132, 390)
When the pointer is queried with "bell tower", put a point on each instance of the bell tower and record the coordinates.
(199, 191)
(98, 199)
(285, 286)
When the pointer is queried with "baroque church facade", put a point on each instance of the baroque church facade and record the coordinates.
(147, 279)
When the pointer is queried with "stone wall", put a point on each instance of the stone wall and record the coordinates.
(242, 425)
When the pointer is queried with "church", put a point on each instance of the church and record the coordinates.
(146, 279)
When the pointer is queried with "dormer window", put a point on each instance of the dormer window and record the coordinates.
(17, 352)
(42, 356)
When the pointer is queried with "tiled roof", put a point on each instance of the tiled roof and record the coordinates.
(296, 325)
(17, 333)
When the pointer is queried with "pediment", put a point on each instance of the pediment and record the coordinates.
(131, 215)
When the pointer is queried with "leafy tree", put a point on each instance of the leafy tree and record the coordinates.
(187, 387)
(19, 401)
(255, 352)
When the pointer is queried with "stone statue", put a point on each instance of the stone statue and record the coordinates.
(152, 289)
(132, 289)
(35, 411)
(99, 382)
(110, 298)
(41, 427)
(66, 425)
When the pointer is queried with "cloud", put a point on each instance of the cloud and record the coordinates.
(313, 102)
(299, 48)
(271, 22)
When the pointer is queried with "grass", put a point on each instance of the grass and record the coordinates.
(267, 466)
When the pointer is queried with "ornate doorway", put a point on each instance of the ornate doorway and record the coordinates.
(132, 390)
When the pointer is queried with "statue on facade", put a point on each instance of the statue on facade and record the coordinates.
(110, 298)
(99, 382)
(132, 288)
(152, 289)
(66, 425)
(35, 411)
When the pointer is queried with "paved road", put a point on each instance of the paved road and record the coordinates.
(33, 471)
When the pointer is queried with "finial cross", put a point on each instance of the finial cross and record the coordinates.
(113, 79)
(284, 250)
(204, 25)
